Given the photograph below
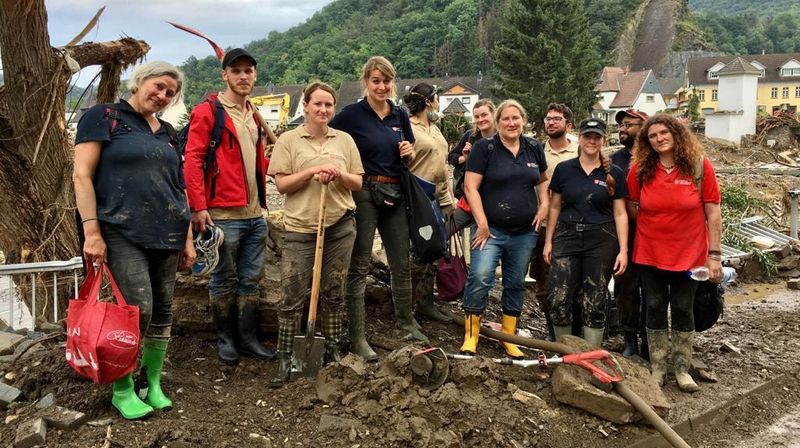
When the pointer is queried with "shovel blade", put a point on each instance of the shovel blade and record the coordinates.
(307, 356)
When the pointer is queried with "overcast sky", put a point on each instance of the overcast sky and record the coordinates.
(227, 22)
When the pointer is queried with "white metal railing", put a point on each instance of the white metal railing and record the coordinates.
(34, 269)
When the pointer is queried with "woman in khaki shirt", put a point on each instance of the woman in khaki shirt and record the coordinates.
(430, 150)
(309, 151)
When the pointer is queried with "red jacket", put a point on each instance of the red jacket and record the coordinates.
(225, 184)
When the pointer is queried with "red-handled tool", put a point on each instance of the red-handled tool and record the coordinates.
(587, 360)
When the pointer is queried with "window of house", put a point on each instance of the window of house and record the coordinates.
(714, 95)
(651, 98)
(790, 72)
(785, 92)
(797, 92)
(701, 94)
(713, 75)
(763, 73)
(465, 100)
(773, 93)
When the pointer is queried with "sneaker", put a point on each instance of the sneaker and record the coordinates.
(207, 244)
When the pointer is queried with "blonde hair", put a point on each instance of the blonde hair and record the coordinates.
(505, 105)
(154, 69)
(382, 65)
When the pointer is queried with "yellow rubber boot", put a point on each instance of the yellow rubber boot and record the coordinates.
(472, 331)
(510, 327)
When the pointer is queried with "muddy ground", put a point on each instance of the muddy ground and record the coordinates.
(374, 405)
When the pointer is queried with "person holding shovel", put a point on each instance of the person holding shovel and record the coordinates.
(134, 215)
(316, 167)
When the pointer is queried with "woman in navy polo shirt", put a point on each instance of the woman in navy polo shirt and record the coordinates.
(383, 135)
(500, 186)
(130, 195)
(590, 239)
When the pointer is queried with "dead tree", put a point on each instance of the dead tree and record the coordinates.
(36, 198)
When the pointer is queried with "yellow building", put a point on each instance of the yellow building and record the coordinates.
(778, 84)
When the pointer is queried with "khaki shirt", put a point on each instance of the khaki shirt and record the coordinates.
(247, 136)
(554, 157)
(295, 151)
(430, 148)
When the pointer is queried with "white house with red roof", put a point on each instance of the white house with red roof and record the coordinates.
(620, 89)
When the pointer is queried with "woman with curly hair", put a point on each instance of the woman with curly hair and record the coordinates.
(674, 197)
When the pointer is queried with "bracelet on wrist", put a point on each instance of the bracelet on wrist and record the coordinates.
(714, 252)
(84, 221)
(715, 257)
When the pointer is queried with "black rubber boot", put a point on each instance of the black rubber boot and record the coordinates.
(284, 370)
(551, 333)
(249, 345)
(631, 344)
(224, 322)
(426, 307)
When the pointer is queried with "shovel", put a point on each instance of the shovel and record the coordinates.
(308, 350)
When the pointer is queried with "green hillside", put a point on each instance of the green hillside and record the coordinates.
(759, 8)
(421, 37)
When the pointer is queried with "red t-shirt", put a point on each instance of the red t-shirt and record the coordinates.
(671, 231)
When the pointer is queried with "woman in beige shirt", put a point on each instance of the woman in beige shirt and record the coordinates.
(430, 150)
(303, 160)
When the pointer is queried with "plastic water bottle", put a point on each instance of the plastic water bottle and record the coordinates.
(701, 274)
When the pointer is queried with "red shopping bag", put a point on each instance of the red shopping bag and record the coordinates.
(102, 337)
(451, 270)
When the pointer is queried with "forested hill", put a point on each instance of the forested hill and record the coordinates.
(421, 37)
(761, 8)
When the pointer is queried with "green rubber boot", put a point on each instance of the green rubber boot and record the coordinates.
(126, 401)
(355, 327)
(405, 319)
(153, 353)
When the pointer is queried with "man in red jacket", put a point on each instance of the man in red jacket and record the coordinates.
(226, 192)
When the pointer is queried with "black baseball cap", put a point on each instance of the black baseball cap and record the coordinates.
(236, 53)
(595, 125)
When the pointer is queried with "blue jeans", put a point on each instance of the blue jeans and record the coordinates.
(146, 278)
(515, 252)
(242, 257)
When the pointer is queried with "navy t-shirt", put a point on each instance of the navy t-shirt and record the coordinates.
(584, 199)
(622, 158)
(508, 187)
(138, 181)
(376, 138)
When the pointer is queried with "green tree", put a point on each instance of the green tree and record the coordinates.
(693, 107)
(546, 54)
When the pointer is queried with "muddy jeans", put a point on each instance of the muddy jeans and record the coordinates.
(297, 265)
(630, 306)
(668, 288)
(583, 257)
(241, 258)
(514, 251)
(393, 228)
(146, 278)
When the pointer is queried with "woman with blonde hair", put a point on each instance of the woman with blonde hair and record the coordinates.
(674, 197)
(129, 189)
(383, 135)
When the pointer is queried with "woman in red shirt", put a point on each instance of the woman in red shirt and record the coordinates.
(678, 226)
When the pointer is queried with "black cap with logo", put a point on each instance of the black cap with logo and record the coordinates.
(236, 53)
(595, 125)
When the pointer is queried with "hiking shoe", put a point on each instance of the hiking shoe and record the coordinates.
(207, 244)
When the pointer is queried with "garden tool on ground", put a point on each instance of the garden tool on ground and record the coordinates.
(308, 351)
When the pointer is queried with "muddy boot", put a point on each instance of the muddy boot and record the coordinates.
(510, 327)
(224, 313)
(249, 345)
(682, 360)
(659, 348)
(332, 330)
(551, 334)
(355, 329)
(631, 343)
(426, 307)
(472, 332)
(126, 401)
(644, 349)
(405, 319)
(561, 330)
(288, 327)
(594, 336)
(153, 353)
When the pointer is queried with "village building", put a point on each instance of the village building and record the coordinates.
(736, 111)
(620, 89)
(778, 81)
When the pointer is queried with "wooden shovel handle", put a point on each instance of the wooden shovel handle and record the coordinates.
(317, 273)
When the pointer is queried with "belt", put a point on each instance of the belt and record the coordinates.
(383, 179)
(580, 227)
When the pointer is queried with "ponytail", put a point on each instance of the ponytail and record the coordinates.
(611, 183)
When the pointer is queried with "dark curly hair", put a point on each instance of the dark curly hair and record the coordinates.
(416, 99)
(687, 148)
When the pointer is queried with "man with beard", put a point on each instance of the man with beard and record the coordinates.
(557, 124)
(630, 305)
(225, 182)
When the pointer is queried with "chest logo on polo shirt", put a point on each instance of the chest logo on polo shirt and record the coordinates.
(682, 182)
(395, 129)
(532, 165)
(600, 182)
